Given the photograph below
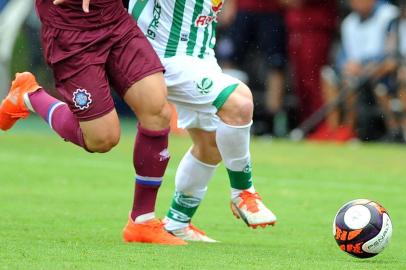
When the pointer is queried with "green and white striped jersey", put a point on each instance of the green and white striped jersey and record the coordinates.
(178, 27)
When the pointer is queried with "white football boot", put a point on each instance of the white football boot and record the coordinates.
(250, 208)
(191, 233)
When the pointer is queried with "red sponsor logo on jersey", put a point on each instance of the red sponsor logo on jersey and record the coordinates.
(204, 20)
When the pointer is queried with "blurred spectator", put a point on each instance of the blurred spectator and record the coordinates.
(12, 16)
(3, 4)
(396, 44)
(362, 66)
(257, 25)
(311, 26)
(3, 67)
(38, 66)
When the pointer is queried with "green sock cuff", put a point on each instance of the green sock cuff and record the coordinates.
(240, 180)
(183, 207)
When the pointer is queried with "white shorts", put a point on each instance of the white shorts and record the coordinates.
(198, 88)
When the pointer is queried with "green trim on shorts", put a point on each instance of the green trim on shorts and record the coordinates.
(224, 95)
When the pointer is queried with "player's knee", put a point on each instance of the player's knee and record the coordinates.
(103, 143)
(244, 109)
(158, 117)
(238, 110)
(165, 113)
(162, 115)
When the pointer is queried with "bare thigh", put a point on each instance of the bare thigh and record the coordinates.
(103, 133)
(148, 99)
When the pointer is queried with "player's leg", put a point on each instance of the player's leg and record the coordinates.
(98, 134)
(192, 177)
(235, 109)
(88, 111)
(147, 98)
(136, 74)
(202, 88)
(192, 89)
(86, 117)
(101, 134)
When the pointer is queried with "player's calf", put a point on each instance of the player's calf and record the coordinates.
(204, 147)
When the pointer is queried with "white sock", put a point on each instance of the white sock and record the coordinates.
(236, 192)
(192, 178)
(145, 217)
(27, 102)
(233, 143)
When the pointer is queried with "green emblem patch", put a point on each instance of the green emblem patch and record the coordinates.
(204, 86)
(248, 168)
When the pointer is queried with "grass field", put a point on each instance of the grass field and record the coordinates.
(62, 208)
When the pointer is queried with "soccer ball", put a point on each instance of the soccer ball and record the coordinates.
(362, 228)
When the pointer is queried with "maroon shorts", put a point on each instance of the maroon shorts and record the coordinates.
(86, 63)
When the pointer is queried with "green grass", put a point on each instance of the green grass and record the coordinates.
(62, 208)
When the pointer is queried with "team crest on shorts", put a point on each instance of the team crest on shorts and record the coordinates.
(204, 86)
(82, 99)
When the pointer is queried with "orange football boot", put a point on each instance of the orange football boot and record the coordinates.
(151, 231)
(12, 107)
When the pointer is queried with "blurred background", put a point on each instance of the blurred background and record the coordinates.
(323, 70)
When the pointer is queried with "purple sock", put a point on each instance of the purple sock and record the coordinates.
(151, 158)
(57, 115)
